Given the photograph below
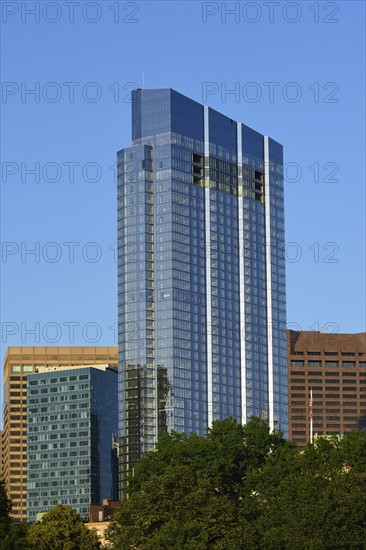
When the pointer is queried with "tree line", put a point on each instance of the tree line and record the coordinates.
(237, 487)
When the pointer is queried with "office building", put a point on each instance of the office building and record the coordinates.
(71, 431)
(334, 366)
(18, 363)
(201, 273)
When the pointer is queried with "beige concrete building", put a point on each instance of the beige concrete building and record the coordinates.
(334, 366)
(18, 363)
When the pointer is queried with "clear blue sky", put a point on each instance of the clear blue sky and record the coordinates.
(298, 73)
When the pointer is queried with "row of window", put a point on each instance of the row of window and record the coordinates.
(328, 395)
(301, 363)
(58, 380)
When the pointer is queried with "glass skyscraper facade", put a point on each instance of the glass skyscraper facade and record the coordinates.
(201, 273)
(71, 425)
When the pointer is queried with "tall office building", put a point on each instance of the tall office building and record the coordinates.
(18, 363)
(71, 427)
(334, 366)
(201, 273)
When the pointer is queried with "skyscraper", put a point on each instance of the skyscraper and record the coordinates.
(201, 273)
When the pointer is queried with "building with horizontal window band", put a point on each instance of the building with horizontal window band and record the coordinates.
(334, 366)
(201, 273)
(71, 433)
(19, 362)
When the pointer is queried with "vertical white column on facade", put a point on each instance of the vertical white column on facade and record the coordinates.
(267, 206)
(208, 268)
(241, 275)
(156, 382)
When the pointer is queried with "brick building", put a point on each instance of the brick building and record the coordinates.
(334, 366)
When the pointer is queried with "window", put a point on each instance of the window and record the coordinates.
(297, 363)
(331, 363)
(331, 353)
(348, 354)
(348, 363)
(314, 363)
(313, 352)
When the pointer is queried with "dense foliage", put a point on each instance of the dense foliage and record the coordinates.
(12, 535)
(5, 509)
(62, 529)
(244, 487)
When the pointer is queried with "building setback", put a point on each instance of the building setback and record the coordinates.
(18, 363)
(71, 427)
(334, 366)
(201, 273)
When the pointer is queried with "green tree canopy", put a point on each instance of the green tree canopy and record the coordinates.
(186, 494)
(244, 487)
(5, 509)
(62, 529)
(16, 538)
(316, 500)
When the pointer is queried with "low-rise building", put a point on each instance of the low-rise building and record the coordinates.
(19, 362)
(333, 366)
(72, 425)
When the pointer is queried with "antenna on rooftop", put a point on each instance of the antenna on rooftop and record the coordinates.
(143, 79)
